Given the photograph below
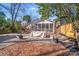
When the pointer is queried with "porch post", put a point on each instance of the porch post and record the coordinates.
(49, 26)
(41, 27)
(37, 27)
(53, 26)
(45, 27)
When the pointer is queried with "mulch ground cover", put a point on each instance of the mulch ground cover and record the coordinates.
(33, 49)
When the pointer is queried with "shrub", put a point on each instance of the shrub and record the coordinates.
(18, 27)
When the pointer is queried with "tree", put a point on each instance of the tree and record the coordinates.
(2, 19)
(27, 18)
(14, 9)
(45, 10)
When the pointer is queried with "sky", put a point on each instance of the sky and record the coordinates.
(30, 9)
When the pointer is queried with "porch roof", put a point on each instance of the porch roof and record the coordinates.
(45, 22)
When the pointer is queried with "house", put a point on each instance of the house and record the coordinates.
(43, 25)
(42, 28)
(23, 23)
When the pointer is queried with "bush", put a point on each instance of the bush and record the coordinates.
(10, 29)
(6, 30)
(18, 27)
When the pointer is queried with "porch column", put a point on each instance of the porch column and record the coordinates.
(33, 26)
(53, 26)
(37, 27)
(41, 27)
(45, 27)
(49, 26)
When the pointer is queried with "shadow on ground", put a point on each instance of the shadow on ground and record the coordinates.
(4, 38)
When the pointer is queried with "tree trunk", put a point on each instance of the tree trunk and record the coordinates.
(14, 11)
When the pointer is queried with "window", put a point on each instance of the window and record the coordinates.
(51, 25)
(47, 26)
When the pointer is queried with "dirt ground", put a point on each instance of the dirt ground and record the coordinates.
(33, 49)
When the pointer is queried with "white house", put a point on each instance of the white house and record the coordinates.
(23, 23)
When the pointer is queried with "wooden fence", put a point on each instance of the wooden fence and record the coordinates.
(66, 29)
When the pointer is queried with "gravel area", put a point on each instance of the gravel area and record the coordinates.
(33, 49)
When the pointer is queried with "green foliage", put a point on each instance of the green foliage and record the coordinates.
(45, 10)
(77, 8)
(49, 9)
(6, 26)
(27, 18)
(18, 26)
(2, 19)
